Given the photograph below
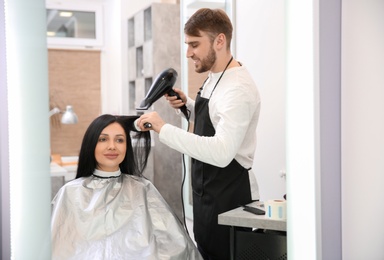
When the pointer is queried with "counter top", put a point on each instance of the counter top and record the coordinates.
(57, 170)
(69, 172)
(240, 218)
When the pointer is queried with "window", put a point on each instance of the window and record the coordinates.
(74, 26)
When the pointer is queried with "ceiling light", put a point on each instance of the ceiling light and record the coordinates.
(65, 14)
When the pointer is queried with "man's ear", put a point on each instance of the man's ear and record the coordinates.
(221, 41)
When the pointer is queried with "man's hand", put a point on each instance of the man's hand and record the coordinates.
(174, 102)
(154, 120)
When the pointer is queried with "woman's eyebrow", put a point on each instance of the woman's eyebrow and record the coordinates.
(116, 135)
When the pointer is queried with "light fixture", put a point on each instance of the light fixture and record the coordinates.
(69, 116)
(65, 14)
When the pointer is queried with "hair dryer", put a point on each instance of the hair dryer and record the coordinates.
(162, 85)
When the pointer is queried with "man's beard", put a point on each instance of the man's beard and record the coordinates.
(207, 63)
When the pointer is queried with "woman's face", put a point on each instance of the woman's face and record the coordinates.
(111, 147)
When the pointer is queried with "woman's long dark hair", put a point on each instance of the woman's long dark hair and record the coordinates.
(136, 156)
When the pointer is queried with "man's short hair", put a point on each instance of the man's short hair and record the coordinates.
(211, 21)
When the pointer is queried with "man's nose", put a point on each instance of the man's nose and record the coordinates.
(189, 52)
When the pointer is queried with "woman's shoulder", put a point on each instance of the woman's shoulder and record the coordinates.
(75, 182)
(137, 180)
(73, 185)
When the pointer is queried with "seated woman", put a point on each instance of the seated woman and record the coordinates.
(110, 211)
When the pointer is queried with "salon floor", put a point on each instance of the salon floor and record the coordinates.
(189, 223)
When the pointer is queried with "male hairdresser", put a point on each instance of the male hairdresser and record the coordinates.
(222, 147)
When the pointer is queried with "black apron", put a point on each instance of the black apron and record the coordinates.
(215, 190)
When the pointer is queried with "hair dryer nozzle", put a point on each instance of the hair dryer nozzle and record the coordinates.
(163, 84)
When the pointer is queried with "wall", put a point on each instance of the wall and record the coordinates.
(114, 63)
(362, 129)
(160, 50)
(74, 79)
(261, 47)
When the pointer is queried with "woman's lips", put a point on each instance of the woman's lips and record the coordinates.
(111, 156)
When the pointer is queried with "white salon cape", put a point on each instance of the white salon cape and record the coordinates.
(118, 216)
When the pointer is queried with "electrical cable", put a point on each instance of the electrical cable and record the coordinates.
(187, 115)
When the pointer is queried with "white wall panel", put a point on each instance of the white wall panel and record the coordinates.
(362, 129)
(260, 45)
